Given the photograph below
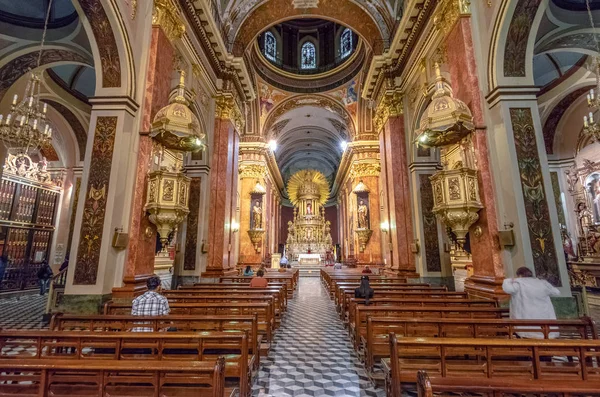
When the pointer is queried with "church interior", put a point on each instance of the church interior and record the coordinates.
(179, 153)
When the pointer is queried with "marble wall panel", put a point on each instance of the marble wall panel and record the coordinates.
(431, 242)
(191, 238)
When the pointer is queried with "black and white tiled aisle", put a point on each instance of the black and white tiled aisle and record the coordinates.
(23, 312)
(312, 354)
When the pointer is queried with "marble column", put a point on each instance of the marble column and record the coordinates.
(396, 182)
(142, 233)
(488, 269)
(223, 187)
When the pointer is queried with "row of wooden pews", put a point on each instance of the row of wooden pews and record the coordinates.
(211, 344)
(461, 345)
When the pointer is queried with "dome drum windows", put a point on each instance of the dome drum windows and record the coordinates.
(308, 59)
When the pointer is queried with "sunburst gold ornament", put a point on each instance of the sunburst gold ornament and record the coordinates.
(308, 182)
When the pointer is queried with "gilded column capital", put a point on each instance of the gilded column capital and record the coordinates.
(448, 13)
(252, 171)
(390, 105)
(226, 108)
(359, 170)
(166, 15)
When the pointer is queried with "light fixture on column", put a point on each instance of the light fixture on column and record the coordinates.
(590, 125)
(25, 128)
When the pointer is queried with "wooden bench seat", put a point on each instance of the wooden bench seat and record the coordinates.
(424, 301)
(358, 328)
(172, 323)
(263, 310)
(470, 359)
(376, 345)
(114, 378)
(442, 387)
(148, 346)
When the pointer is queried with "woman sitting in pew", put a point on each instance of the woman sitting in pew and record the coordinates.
(248, 272)
(259, 281)
(364, 291)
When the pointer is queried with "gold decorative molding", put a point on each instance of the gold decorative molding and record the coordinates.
(252, 171)
(134, 5)
(449, 12)
(166, 15)
(390, 105)
(359, 170)
(226, 108)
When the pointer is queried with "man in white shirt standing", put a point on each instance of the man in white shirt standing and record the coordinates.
(530, 300)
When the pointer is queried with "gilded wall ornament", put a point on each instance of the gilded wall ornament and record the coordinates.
(226, 108)
(390, 105)
(252, 171)
(359, 170)
(166, 15)
(449, 12)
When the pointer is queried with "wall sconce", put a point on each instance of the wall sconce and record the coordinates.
(385, 226)
(235, 227)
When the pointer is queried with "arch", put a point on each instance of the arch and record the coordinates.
(270, 13)
(308, 100)
(79, 130)
(110, 45)
(513, 40)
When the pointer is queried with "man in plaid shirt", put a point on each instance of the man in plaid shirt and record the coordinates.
(151, 303)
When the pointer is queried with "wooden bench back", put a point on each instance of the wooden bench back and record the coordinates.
(343, 304)
(235, 287)
(566, 360)
(278, 294)
(428, 387)
(62, 378)
(424, 302)
(345, 292)
(359, 326)
(289, 280)
(150, 346)
(377, 345)
(263, 310)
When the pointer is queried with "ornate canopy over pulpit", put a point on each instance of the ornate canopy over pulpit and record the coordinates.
(309, 234)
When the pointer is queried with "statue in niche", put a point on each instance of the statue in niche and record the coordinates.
(585, 216)
(363, 222)
(257, 214)
(309, 209)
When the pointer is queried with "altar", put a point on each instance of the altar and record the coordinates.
(309, 259)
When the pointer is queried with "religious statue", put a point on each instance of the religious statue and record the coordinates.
(585, 217)
(362, 215)
(309, 209)
(257, 213)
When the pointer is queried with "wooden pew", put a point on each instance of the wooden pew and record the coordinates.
(148, 346)
(173, 323)
(345, 293)
(442, 387)
(278, 294)
(263, 310)
(282, 288)
(343, 307)
(377, 346)
(424, 302)
(114, 378)
(287, 279)
(372, 280)
(358, 328)
(535, 361)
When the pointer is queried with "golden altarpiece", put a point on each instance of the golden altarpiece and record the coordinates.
(309, 234)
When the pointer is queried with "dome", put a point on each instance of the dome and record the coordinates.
(175, 126)
(446, 120)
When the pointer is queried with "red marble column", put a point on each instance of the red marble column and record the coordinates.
(142, 241)
(397, 188)
(223, 188)
(488, 269)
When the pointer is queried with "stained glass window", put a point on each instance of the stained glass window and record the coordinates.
(270, 46)
(346, 43)
(309, 56)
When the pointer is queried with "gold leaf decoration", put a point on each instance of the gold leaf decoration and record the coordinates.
(308, 179)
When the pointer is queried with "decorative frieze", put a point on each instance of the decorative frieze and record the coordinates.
(359, 170)
(252, 171)
(449, 12)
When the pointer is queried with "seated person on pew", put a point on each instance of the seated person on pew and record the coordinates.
(259, 281)
(151, 303)
(530, 300)
(248, 272)
(364, 291)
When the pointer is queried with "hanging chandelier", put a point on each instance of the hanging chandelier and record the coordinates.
(590, 125)
(25, 128)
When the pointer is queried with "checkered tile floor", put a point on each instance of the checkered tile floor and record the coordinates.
(312, 354)
(24, 312)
